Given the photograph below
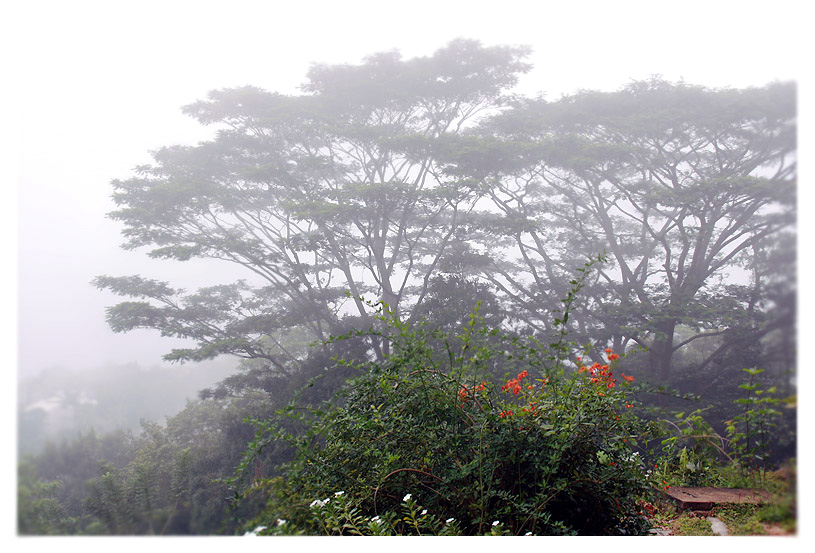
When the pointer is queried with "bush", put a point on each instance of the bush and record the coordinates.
(424, 442)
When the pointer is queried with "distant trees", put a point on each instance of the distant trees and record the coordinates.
(410, 181)
(678, 184)
(423, 185)
(336, 191)
(164, 480)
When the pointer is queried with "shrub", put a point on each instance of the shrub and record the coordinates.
(751, 432)
(426, 437)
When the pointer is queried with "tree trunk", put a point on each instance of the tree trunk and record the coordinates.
(661, 350)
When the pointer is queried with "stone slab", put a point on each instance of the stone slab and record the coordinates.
(703, 499)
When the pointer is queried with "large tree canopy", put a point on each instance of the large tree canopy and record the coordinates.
(325, 197)
(408, 182)
(679, 184)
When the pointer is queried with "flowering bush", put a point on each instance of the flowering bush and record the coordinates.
(549, 451)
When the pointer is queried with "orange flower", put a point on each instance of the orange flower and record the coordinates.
(628, 378)
(609, 350)
(613, 357)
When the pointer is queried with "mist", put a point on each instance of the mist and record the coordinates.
(96, 96)
(99, 88)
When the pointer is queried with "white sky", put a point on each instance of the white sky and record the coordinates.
(91, 87)
(99, 84)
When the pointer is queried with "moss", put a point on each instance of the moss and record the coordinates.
(689, 525)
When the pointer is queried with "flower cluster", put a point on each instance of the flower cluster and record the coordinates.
(602, 374)
(465, 393)
(514, 384)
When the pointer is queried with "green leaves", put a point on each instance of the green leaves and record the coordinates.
(338, 189)
(751, 432)
(413, 441)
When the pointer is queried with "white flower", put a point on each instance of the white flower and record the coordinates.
(375, 519)
(424, 512)
(318, 503)
(337, 494)
(405, 499)
(528, 534)
(281, 521)
(495, 523)
(449, 520)
(255, 531)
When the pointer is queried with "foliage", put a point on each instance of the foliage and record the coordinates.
(750, 520)
(549, 452)
(752, 431)
(336, 190)
(691, 525)
(679, 183)
(39, 511)
(781, 511)
(163, 480)
(423, 184)
(691, 452)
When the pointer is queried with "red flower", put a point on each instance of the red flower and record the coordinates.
(628, 378)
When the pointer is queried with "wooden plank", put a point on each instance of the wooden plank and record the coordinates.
(703, 499)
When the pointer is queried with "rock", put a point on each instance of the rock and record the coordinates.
(717, 526)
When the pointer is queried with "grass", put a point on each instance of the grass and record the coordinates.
(690, 525)
(775, 518)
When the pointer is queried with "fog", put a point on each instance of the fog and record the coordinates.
(96, 86)
(99, 85)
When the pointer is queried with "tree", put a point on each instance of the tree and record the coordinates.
(679, 184)
(323, 197)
